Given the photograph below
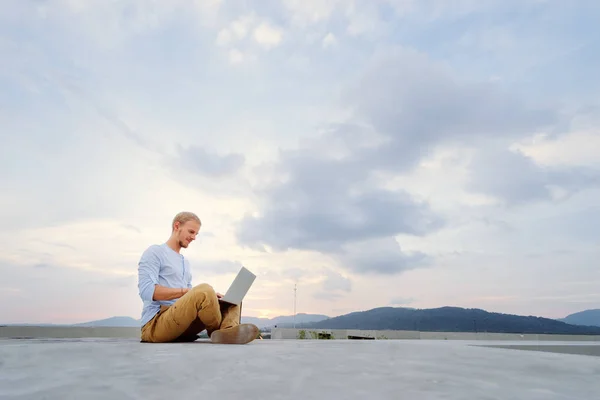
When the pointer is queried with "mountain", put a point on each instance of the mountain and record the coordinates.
(284, 321)
(118, 322)
(127, 322)
(587, 317)
(280, 321)
(443, 319)
(449, 319)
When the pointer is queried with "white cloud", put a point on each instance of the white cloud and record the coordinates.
(359, 17)
(371, 176)
(305, 12)
(578, 148)
(224, 37)
(236, 30)
(329, 40)
(243, 34)
(241, 26)
(362, 19)
(207, 10)
(110, 24)
(267, 35)
(236, 56)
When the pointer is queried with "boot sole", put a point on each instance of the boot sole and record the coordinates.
(241, 334)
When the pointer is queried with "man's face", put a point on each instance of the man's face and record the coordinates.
(187, 232)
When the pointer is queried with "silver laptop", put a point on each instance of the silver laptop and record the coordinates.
(240, 286)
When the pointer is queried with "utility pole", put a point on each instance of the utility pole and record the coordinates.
(294, 306)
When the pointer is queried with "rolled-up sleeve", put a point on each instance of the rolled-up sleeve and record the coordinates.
(148, 269)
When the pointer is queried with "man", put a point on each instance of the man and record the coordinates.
(174, 311)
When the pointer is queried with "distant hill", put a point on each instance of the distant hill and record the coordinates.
(587, 317)
(127, 322)
(443, 319)
(280, 321)
(449, 319)
(284, 321)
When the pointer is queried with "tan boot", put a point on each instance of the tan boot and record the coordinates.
(240, 334)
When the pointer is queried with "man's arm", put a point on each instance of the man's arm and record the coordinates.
(166, 293)
(189, 282)
(149, 289)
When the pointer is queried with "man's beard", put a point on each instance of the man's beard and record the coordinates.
(182, 244)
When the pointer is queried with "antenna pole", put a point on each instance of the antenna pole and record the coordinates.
(294, 306)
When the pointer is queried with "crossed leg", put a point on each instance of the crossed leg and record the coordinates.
(230, 318)
(197, 310)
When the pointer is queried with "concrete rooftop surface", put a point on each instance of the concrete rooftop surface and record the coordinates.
(121, 368)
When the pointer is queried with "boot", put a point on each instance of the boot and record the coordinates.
(240, 334)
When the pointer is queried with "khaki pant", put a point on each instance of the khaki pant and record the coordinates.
(197, 310)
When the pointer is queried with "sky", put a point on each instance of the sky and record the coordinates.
(374, 153)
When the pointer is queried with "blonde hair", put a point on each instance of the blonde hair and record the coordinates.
(184, 217)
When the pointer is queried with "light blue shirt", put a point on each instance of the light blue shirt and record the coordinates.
(161, 265)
